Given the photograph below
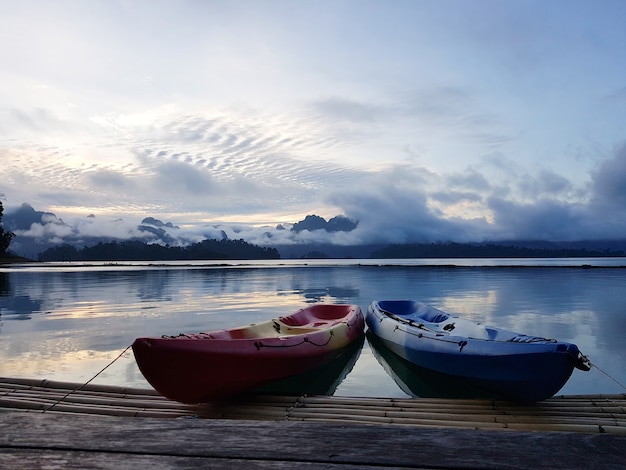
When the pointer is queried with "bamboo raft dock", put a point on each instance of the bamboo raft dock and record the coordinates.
(97, 426)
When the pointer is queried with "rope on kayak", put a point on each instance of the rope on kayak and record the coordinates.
(407, 321)
(90, 380)
(608, 375)
(258, 344)
(462, 343)
(438, 336)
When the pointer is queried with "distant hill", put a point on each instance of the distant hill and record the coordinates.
(7, 258)
(315, 222)
(48, 225)
(45, 236)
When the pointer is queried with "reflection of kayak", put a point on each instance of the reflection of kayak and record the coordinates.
(512, 365)
(192, 368)
(321, 381)
(418, 381)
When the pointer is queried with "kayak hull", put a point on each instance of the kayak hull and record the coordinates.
(202, 367)
(514, 366)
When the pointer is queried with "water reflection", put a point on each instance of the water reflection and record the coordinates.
(20, 305)
(5, 285)
(77, 319)
(324, 294)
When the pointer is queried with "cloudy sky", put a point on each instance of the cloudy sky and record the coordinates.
(423, 120)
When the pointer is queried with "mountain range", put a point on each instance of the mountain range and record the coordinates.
(38, 231)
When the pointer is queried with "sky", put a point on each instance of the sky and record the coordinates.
(422, 120)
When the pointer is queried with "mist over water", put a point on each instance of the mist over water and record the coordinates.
(68, 322)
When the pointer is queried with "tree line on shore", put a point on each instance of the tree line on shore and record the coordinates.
(239, 249)
(140, 251)
(491, 250)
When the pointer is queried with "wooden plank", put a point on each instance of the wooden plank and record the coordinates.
(68, 460)
(281, 444)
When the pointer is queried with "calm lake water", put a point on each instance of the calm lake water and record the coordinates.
(68, 321)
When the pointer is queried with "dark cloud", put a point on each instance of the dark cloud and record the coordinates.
(109, 179)
(544, 183)
(178, 177)
(551, 208)
(455, 197)
(542, 220)
(609, 180)
(470, 179)
(553, 183)
(393, 207)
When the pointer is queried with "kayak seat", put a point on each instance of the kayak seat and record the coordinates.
(298, 330)
(492, 333)
(413, 310)
(312, 327)
(434, 316)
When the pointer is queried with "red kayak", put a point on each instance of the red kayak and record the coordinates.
(195, 368)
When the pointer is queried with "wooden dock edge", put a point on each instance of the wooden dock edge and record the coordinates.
(47, 424)
(63, 440)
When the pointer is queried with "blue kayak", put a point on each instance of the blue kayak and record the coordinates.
(514, 366)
